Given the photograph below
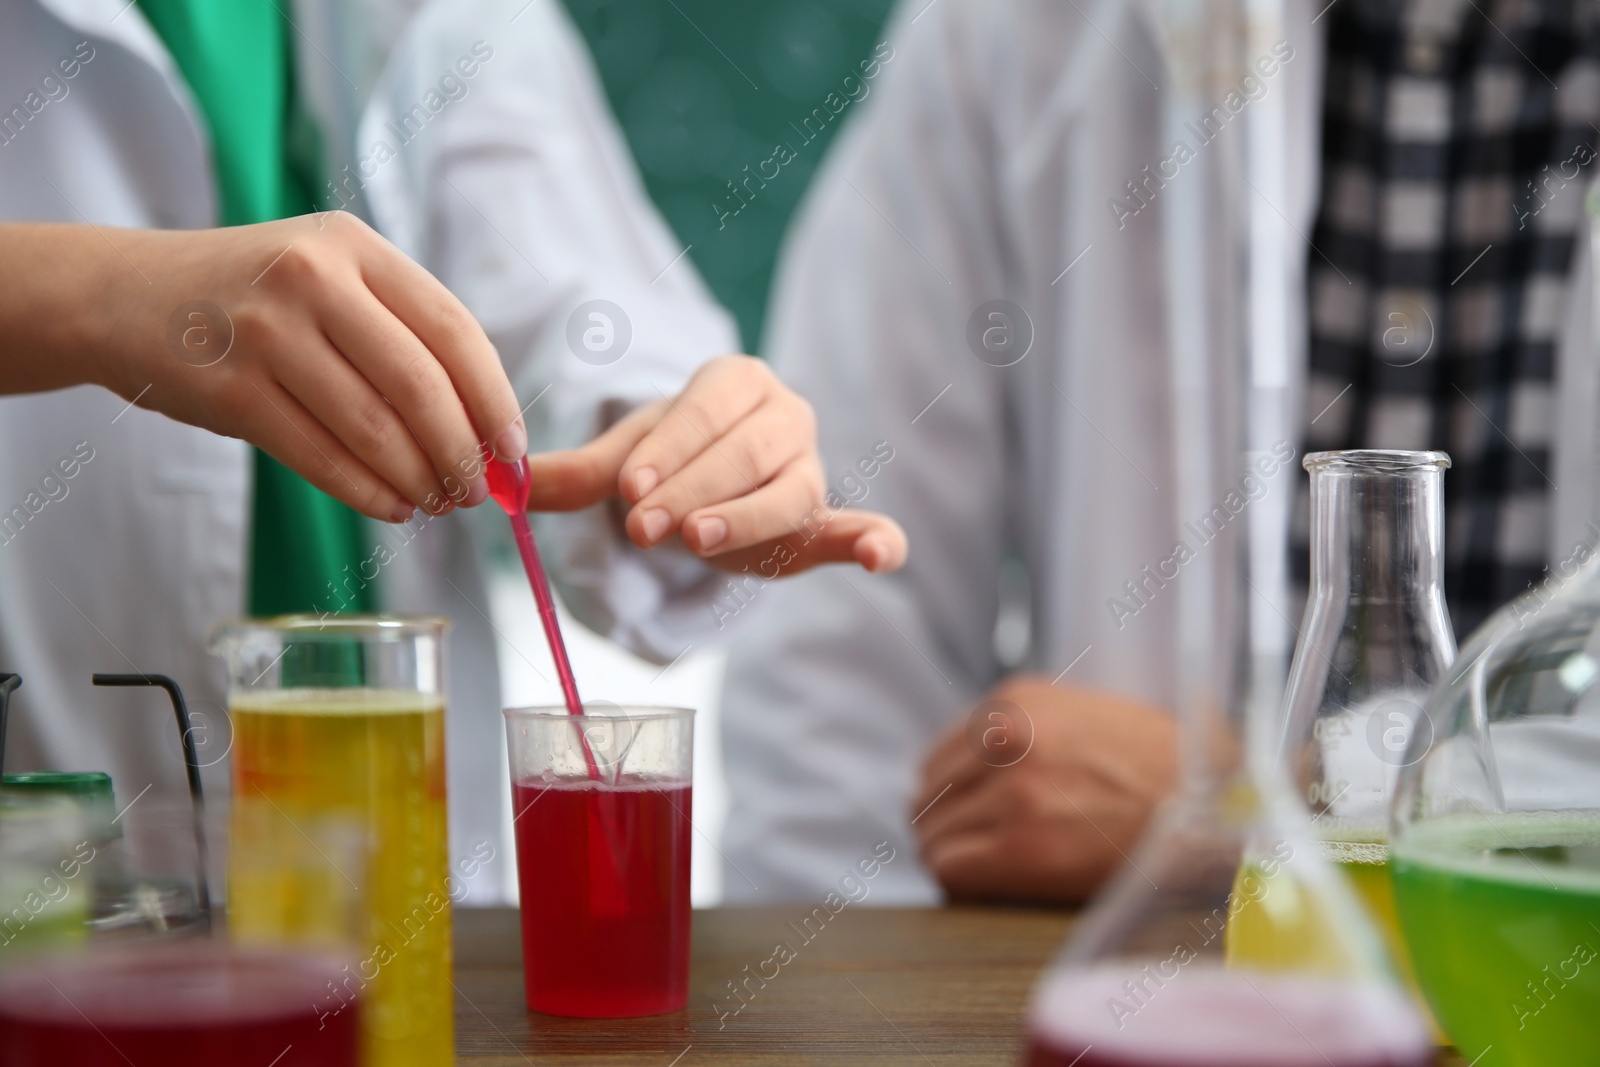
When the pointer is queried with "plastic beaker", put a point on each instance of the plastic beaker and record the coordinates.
(603, 857)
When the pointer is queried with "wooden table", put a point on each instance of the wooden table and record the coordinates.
(914, 986)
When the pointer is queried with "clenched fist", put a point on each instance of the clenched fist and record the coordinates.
(1041, 792)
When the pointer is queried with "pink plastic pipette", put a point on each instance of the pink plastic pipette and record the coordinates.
(509, 484)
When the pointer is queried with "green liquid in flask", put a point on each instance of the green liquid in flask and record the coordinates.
(1502, 915)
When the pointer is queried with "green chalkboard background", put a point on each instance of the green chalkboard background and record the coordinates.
(705, 88)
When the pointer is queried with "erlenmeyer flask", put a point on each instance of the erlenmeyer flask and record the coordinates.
(1143, 982)
(1148, 978)
(1374, 641)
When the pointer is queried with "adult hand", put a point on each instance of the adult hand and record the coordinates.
(730, 464)
(1051, 824)
(312, 338)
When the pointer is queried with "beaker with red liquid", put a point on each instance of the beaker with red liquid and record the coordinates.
(189, 1003)
(601, 804)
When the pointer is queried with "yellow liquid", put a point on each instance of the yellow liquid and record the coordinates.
(306, 762)
(1369, 877)
(1289, 934)
(1278, 923)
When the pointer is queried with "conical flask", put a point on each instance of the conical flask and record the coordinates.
(1151, 978)
(1153, 975)
(1375, 639)
(1144, 981)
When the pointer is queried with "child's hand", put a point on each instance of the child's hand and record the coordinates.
(731, 465)
(312, 338)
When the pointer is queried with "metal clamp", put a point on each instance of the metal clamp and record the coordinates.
(191, 761)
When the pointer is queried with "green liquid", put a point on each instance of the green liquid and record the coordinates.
(1503, 921)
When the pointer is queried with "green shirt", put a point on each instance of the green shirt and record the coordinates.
(305, 547)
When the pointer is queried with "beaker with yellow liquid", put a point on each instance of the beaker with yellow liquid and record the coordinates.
(1375, 639)
(343, 718)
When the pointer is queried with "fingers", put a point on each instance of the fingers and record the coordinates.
(719, 396)
(969, 866)
(289, 433)
(781, 507)
(405, 374)
(1016, 837)
(775, 437)
(950, 768)
(985, 802)
(730, 465)
(458, 346)
(1020, 864)
(874, 541)
(582, 477)
(344, 401)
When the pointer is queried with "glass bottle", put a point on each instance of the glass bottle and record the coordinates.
(1374, 640)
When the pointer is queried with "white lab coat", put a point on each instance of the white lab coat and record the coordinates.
(519, 195)
(981, 169)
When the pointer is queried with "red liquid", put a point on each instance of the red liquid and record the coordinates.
(1205, 1017)
(604, 871)
(176, 1005)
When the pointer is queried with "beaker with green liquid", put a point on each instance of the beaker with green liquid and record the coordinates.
(44, 900)
(1495, 846)
(1495, 830)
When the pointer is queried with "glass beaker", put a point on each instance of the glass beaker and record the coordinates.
(344, 716)
(141, 862)
(189, 1003)
(1495, 840)
(1374, 640)
(158, 986)
(602, 805)
(45, 841)
(1495, 843)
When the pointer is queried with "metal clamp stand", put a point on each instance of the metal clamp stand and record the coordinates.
(8, 685)
(191, 763)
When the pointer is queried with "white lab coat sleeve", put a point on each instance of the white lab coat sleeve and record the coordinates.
(489, 154)
(833, 698)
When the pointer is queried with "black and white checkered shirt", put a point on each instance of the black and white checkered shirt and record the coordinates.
(1455, 139)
